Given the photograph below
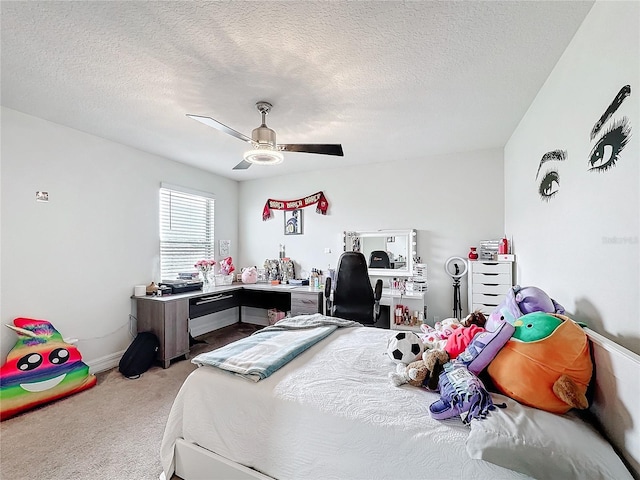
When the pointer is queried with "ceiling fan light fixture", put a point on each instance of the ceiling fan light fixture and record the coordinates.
(264, 157)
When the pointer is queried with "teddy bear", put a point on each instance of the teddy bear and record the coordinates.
(421, 373)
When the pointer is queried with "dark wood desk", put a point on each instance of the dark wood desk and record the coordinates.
(168, 316)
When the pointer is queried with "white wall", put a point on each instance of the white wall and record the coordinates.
(74, 260)
(453, 201)
(582, 246)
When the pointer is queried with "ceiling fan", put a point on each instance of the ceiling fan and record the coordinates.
(265, 149)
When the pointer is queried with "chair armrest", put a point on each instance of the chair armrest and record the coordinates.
(328, 299)
(377, 295)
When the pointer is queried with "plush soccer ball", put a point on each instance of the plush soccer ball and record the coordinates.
(405, 347)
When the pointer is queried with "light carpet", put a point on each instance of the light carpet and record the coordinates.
(109, 432)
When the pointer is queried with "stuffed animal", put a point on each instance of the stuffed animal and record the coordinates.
(484, 347)
(475, 318)
(546, 364)
(479, 353)
(421, 373)
(520, 301)
(461, 337)
(40, 368)
(249, 275)
(436, 337)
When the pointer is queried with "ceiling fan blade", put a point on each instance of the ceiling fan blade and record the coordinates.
(323, 149)
(243, 165)
(219, 126)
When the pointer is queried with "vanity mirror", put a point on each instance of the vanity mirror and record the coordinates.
(389, 253)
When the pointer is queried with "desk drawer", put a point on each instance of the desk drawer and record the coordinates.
(305, 304)
(266, 299)
(215, 302)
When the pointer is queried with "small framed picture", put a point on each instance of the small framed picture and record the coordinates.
(224, 247)
(293, 222)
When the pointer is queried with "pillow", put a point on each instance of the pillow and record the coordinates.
(542, 444)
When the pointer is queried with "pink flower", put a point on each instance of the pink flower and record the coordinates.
(204, 265)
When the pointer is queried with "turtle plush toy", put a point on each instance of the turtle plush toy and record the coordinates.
(545, 364)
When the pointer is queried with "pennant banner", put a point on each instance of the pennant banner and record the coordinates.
(318, 198)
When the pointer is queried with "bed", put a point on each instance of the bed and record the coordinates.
(332, 412)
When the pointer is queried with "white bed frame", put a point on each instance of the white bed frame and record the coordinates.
(616, 397)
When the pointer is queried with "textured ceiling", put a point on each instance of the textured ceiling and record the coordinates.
(387, 80)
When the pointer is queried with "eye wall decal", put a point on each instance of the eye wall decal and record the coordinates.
(606, 151)
(550, 182)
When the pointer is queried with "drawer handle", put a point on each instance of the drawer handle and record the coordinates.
(490, 294)
(492, 274)
(213, 299)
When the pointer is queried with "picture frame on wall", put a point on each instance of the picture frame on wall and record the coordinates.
(293, 222)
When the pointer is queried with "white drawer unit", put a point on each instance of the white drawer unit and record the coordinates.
(489, 282)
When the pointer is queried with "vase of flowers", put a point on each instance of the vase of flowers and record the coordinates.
(226, 270)
(204, 267)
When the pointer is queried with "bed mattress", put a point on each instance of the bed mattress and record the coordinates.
(332, 412)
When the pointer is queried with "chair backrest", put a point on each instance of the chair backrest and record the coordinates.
(379, 259)
(353, 297)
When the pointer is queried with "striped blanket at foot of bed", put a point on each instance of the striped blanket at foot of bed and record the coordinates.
(259, 355)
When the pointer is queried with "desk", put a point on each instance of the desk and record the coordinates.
(168, 316)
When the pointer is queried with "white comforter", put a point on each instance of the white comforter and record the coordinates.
(330, 413)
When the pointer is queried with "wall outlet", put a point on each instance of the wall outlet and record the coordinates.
(327, 250)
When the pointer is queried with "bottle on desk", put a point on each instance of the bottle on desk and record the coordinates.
(314, 281)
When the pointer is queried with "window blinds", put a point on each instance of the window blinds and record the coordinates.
(186, 230)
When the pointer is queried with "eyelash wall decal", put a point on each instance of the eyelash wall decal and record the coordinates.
(622, 94)
(606, 152)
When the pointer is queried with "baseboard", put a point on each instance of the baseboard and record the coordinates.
(105, 363)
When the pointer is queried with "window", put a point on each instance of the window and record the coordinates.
(186, 229)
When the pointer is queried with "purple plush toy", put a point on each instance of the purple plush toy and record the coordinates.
(519, 302)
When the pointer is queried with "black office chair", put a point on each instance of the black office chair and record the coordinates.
(379, 259)
(353, 297)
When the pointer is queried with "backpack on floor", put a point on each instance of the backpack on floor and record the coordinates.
(140, 355)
